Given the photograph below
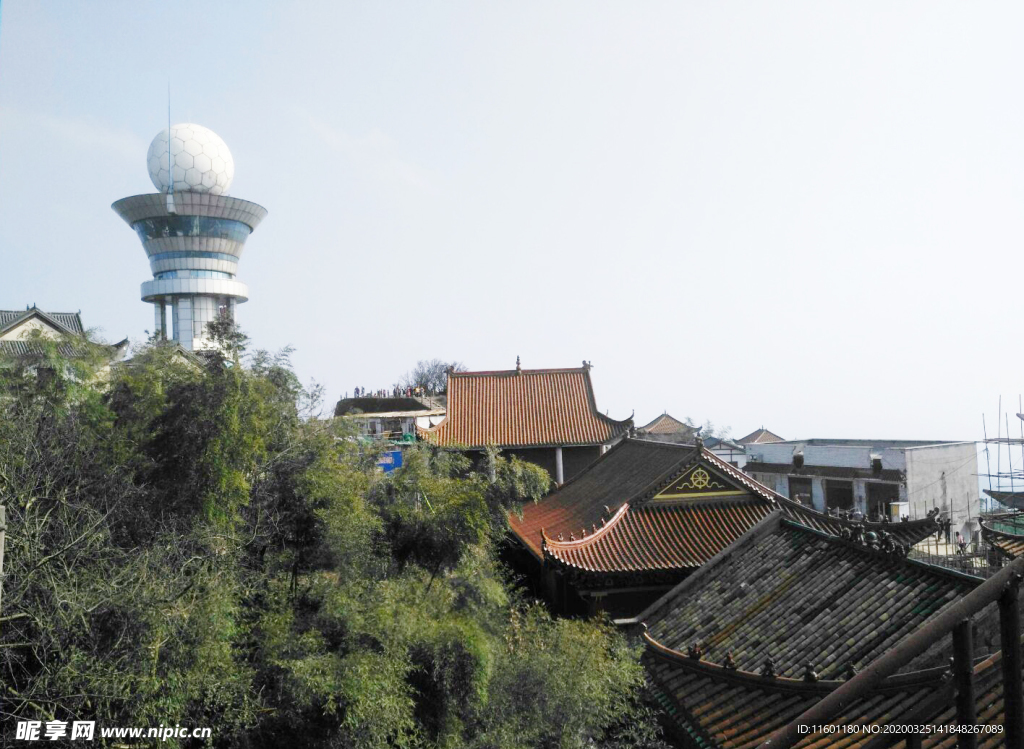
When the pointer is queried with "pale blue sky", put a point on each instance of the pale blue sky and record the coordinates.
(802, 215)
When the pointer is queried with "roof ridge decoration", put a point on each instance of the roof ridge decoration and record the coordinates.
(606, 525)
(47, 316)
(733, 476)
(697, 482)
(759, 680)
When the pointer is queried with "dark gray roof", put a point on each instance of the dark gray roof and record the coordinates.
(70, 321)
(31, 348)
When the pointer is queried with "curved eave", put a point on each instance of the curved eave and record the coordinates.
(551, 546)
(434, 436)
(1009, 545)
(897, 682)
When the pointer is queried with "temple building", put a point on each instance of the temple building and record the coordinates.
(548, 417)
(645, 516)
(666, 428)
(760, 437)
(19, 327)
(758, 635)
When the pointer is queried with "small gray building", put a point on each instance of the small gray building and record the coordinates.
(894, 477)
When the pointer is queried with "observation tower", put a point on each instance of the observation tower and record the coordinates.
(192, 232)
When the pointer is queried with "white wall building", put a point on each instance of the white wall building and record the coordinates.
(872, 475)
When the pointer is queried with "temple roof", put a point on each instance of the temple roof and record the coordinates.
(801, 596)
(523, 408)
(17, 328)
(1008, 544)
(666, 424)
(760, 437)
(1009, 499)
(712, 706)
(62, 322)
(647, 505)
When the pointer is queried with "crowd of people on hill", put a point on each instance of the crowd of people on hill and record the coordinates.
(394, 392)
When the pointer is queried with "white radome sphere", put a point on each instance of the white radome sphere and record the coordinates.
(201, 161)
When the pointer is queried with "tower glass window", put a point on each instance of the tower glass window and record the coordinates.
(191, 226)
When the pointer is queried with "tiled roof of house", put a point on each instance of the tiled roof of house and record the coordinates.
(598, 491)
(989, 708)
(648, 506)
(69, 322)
(653, 537)
(1008, 544)
(801, 596)
(1009, 499)
(523, 408)
(666, 424)
(34, 348)
(718, 708)
(760, 437)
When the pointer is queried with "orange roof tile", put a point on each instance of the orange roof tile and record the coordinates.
(760, 437)
(626, 512)
(523, 408)
(666, 424)
(651, 537)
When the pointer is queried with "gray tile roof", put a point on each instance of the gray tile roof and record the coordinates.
(70, 321)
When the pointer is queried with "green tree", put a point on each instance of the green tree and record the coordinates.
(188, 544)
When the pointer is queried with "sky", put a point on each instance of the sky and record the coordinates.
(801, 215)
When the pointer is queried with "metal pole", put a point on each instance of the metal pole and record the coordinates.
(1009, 455)
(999, 447)
(988, 462)
(963, 677)
(1020, 406)
(1009, 640)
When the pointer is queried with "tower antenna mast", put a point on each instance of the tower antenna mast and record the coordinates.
(170, 166)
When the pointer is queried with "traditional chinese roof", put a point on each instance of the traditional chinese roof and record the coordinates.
(1008, 544)
(666, 424)
(62, 322)
(936, 708)
(523, 408)
(1009, 499)
(988, 704)
(649, 506)
(801, 596)
(15, 343)
(719, 708)
(760, 437)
